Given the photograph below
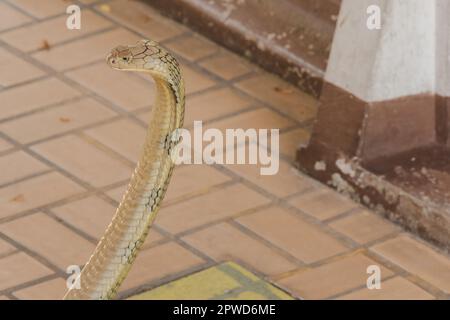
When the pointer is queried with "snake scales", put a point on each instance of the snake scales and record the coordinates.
(117, 249)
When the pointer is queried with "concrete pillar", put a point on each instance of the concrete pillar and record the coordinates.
(384, 110)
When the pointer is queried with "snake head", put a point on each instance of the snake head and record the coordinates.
(144, 56)
(131, 57)
(121, 58)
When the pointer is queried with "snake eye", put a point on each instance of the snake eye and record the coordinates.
(125, 58)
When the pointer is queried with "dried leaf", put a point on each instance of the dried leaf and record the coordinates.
(18, 198)
(105, 8)
(282, 90)
(64, 119)
(44, 45)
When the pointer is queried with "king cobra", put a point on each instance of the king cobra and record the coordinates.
(112, 258)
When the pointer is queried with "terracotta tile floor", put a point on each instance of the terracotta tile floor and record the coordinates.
(70, 133)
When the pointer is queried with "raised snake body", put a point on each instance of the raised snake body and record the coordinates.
(117, 249)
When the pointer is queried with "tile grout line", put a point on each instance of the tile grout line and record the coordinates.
(24, 249)
(24, 12)
(417, 280)
(64, 42)
(158, 282)
(253, 235)
(85, 185)
(355, 289)
(28, 284)
(36, 174)
(49, 213)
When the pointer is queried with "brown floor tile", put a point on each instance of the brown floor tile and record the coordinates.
(417, 259)
(14, 70)
(195, 81)
(396, 288)
(19, 268)
(42, 8)
(158, 262)
(48, 290)
(289, 232)
(152, 238)
(56, 120)
(116, 86)
(332, 278)
(189, 180)
(364, 226)
(117, 193)
(192, 47)
(227, 65)
(261, 118)
(143, 19)
(84, 160)
(36, 192)
(286, 98)
(53, 31)
(6, 248)
(323, 203)
(10, 17)
(123, 136)
(284, 183)
(144, 115)
(223, 242)
(91, 215)
(290, 141)
(209, 208)
(50, 239)
(5, 145)
(33, 96)
(214, 104)
(17, 165)
(84, 51)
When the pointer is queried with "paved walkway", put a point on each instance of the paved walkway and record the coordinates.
(70, 133)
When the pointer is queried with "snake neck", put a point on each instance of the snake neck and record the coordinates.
(117, 249)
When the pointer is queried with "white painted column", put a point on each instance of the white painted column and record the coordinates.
(407, 56)
(443, 48)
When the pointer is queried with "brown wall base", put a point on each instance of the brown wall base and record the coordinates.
(429, 217)
(391, 156)
(291, 38)
(372, 131)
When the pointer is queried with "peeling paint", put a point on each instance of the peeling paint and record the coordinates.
(341, 185)
(320, 166)
(346, 168)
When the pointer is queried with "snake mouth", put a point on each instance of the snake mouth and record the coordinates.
(112, 60)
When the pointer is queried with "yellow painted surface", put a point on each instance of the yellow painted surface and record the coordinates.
(201, 285)
(225, 281)
(248, 295)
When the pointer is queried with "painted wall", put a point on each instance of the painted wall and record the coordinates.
(407, 56)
